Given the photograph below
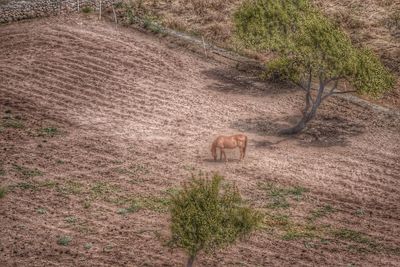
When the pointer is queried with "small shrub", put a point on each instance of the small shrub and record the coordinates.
(151, 25)
(64, 240)
(86, 9)
(88, 246)
(71, 219)
(41, 210)
(206, 216)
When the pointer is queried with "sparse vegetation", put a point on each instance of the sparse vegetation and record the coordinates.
(86, 9)
(355, 236)
(69, 187)
(27, 172)
(321, 212)
(10, 121)
(3, 192)
(279, 194)
(71, 219)
(64, 240)
(152, 25)
(206, 216)
(41, 210)
(88, 246)
(48, 132)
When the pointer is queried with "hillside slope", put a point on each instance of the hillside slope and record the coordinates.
(98, 124)
(372, 23)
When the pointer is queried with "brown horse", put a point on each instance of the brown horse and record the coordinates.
(230, 142)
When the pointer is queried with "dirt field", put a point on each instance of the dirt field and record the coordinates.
(99, 124)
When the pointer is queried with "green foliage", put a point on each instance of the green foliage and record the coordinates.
(279, 194)
(27, 172)
(48, 132)
(151, 25)
(3, 192)
(204, 217)
(352, 235)
(64, 240)
(305, 42)
(12, 122)
(86, 9)
(88, 246)
(321, 212)
(371, 76)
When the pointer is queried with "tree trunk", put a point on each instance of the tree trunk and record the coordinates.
(190, 261)
(310, 110)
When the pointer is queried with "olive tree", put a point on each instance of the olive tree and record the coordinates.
(206, 216)
(310, 51)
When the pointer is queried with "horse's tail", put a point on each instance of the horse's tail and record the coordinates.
(245, 146)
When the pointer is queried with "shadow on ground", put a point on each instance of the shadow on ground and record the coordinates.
(230, 80)
(324, 131)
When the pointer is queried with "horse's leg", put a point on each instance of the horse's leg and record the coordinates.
(220, 154)
(241, 153)
(225, 156)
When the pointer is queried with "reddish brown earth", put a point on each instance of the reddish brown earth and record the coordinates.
(134, 116)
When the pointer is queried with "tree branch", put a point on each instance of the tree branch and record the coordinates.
(344, 92)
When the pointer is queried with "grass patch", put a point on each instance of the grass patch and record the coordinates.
(3, 192)
(133, 170)
(70, 188)
(12, 122)
(279, 195)
(134, 206)
(321, 212)
(48, 132)
(24, 186)
(152, 25)
(48, 184)
(64, 240)
(27, 172)
(354, 236)
(71, 219)
(298, 233)
(102, 190)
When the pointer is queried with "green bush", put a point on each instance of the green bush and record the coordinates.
(86, 9)
(206, 216)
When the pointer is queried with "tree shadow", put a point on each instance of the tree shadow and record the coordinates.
(324, 131)
(231, 80)
(330, 130)
(264, 126)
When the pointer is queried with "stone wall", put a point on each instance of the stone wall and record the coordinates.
(18, 10)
